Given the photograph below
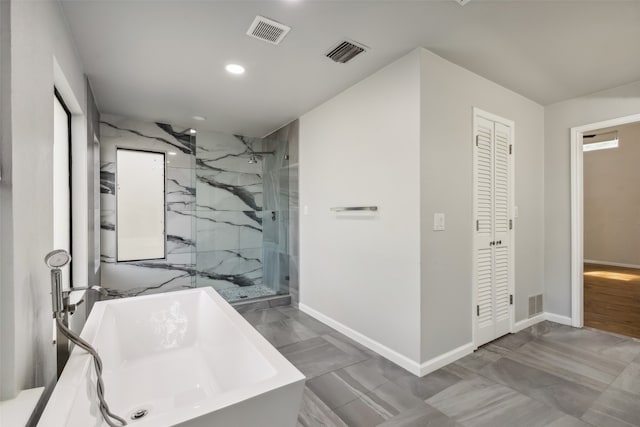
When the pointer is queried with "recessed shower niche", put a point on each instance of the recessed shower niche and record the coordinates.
(229, 202)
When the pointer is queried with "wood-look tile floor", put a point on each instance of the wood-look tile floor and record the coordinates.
(548, 375)
(612, 299)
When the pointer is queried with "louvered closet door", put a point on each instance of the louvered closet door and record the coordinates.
(492, 171)
(483, 259)
(501, 237)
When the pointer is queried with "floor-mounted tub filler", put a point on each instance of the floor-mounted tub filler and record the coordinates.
(182, 358)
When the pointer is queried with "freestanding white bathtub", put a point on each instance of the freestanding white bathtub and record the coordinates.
(187, 357)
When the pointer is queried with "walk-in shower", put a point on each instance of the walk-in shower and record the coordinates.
(228, 204)
(242, 226)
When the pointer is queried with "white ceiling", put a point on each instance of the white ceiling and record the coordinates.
(164, 60)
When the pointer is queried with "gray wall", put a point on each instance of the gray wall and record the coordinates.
(7, 381)
(449, 93)
(361, 148)
(356, 149)
(612, 199)
(42, 55)
(559, 119)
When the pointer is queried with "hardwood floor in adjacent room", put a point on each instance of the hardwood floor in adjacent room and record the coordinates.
(612, 299)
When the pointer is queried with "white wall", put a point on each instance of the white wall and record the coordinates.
(559, 119)
(449, 93)
(361, 148)
(42, 53)
(612, 199)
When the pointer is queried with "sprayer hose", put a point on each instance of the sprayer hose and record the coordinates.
(109, 417)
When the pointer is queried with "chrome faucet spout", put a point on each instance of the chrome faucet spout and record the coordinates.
(99, 289)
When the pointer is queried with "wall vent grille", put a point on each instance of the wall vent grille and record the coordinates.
(267, 30)
(345, 51)
(535, 305)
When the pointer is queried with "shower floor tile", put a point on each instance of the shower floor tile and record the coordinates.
(238, 293)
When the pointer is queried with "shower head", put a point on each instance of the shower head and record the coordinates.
(57, 259)
(253, 159)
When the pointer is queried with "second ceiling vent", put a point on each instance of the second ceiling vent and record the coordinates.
(345, 51)
(267, 30)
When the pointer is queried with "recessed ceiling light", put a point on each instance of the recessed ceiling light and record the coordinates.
(234, 69)
(199, 118)
(172, 153)
(192, 131)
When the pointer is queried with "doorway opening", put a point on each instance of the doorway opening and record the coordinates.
(606, 226)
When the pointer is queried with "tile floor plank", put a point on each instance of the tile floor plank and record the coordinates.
(314, 412)
(481, 402)
(571, 398)
(421, 416)
(548, 375)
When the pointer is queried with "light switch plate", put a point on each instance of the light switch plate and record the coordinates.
(438, 222)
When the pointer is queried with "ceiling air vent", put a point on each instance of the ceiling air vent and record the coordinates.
(345, 51)
(267, 30)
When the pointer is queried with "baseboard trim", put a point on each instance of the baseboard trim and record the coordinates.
(613, 264)
(563, 320)
(418, 369)
(397, 358)
(523, 324)
(446, 358)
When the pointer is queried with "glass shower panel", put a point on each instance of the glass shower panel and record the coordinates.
(241, 216)
(276, 213)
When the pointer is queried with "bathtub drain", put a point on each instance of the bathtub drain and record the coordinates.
(139, 414)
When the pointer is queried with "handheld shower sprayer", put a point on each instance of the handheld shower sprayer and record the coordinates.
(55, 260)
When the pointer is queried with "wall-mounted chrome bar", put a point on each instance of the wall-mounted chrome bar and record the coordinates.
(354, 208)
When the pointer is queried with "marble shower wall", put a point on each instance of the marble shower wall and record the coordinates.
(280, 230)
(177, 271)
(230, 224)
(229, 216)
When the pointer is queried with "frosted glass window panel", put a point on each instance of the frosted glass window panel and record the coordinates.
(61, 185)
(140, 193)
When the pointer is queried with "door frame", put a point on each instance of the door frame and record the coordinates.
(577, 212)
(512, 236)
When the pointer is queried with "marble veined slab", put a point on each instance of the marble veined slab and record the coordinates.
(121, 132)
(229, 268)
(217, 230)
(236, 192)
(151, 276)
(180, 189)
